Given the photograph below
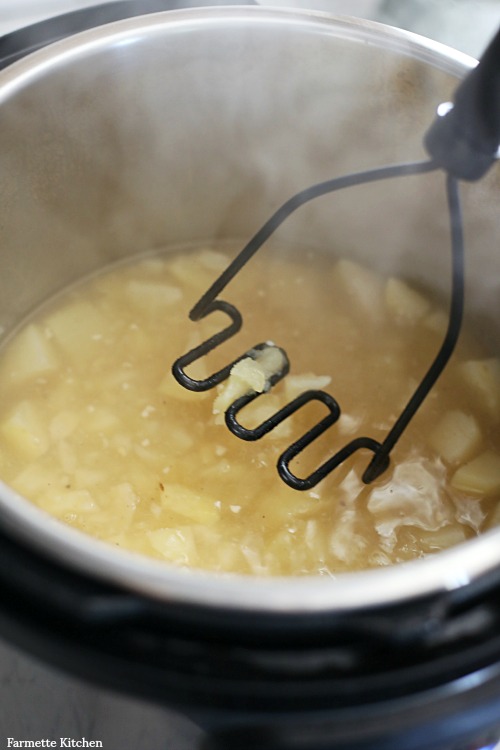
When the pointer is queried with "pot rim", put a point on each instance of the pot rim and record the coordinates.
(129, 30)
(448, 571)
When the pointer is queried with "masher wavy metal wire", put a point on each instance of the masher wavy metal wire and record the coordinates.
(463, 143)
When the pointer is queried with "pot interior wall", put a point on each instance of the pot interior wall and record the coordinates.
(197, 126)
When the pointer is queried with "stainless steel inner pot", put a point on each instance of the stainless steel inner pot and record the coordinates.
(194, 126)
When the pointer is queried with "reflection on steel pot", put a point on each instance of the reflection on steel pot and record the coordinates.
(191, 126)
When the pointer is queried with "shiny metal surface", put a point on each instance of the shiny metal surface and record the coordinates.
(71, 92)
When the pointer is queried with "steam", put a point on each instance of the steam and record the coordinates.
(199, 133)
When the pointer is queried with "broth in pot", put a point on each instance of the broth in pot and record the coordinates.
(95, 430)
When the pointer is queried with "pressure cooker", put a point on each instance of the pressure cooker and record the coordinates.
(194, 123)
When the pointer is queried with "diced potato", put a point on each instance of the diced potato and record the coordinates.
(67, 456)
(228, 392)
(263, 408)
(297, 384)
(404, 303)
(190, 272)
(180, 438)
(62, 425)
(347, 424)
(287, 506)
(151, 295)
(70, 503)
(121, 442)
(34, 480)
(315, 537)
(148, 454)
(344, 542)
(229, 557)
(253, 558)
(443, 538)
(99, 419)
(77, 327)
(437, 321)
(362, 285)
(280, 553)
(122, 502)
(87, 477)
(213, 260)
(25, 430)
(31, 355)
(123, 378)
(481, 476)
(181, 500)
(219, 552)
(230, 473)
(175, 545)
(112, 510)
(456, 437)
(483, 379)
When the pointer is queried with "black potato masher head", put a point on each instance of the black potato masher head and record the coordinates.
(463, 142)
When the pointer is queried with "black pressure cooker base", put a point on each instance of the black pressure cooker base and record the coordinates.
(312, 686)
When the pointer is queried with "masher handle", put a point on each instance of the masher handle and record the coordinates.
(464, 140)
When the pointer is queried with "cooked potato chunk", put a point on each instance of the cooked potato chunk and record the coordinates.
(364, 287)
(176, 545)
(25, 429)
(404, 303)
(297, 384)
(34, 480)
(446, 537)
(31, 355)
(77, 328)
(437, 321)
(153, 295)
(481, 476)
(456, 437)
(192, 273)
(182, 501)
(483, 378)
(63, 424)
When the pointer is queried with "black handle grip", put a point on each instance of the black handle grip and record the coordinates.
(464, 140)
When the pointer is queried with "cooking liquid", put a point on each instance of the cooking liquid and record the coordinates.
(95, 430)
